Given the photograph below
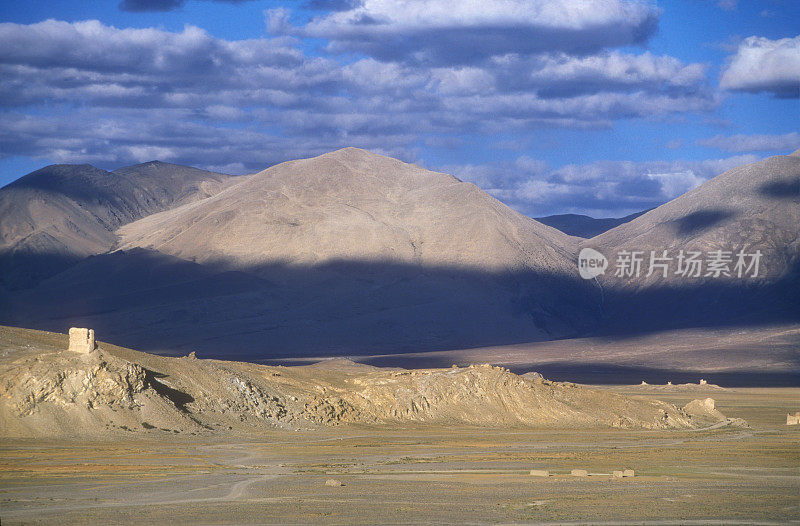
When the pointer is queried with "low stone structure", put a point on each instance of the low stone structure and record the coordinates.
(627, 473)
(617, 474)
(540, 473)
(81, 340)
(793, 419)
(333, 482)
(579, 473)
(703, 382)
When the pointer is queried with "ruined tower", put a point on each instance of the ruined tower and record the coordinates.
(81, 340)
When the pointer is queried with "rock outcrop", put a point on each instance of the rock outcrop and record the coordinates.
(46, 392)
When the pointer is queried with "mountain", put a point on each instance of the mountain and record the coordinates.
(579, 225)
(755, 207)
(338, 254)
(60, 214)
(353, 205)
(353, 253)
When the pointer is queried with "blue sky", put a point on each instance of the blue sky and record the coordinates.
(602, 107)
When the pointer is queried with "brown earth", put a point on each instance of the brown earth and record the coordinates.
(421, 474)
(47, 391)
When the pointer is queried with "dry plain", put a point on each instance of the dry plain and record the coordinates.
(423, 474)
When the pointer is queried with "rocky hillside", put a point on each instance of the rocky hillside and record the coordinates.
(354, 205)
(56, 216)
(47, 391)
(754, 207)
(353, 253)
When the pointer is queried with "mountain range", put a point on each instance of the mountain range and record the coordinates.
(584, 226)
(352, 252)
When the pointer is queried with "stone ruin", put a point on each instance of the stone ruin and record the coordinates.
(81, 340)
(793, 419)
(703, 382)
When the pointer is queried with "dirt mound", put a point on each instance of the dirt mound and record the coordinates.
(70, 394)
(50, 392)
(492, 396)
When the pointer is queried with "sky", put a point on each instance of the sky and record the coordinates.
(598, 107)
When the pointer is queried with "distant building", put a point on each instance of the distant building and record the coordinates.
(81, 340)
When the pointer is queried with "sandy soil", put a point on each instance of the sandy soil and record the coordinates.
(423, 475)
(729, 356)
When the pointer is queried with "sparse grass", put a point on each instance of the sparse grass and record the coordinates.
(464, 476)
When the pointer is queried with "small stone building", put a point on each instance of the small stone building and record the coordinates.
(793, 419)
(81, 340)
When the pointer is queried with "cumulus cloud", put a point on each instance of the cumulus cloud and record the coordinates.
(170, 135)
(753, 143)
(563, 75)
(764, 65)
(442, 32)
(599, 189)
(249, 99)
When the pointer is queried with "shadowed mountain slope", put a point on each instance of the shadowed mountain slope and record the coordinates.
(356, 253)
(755, 207)
(60, 214)
(347, 252)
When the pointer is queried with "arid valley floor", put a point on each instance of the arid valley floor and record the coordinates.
(400, 473)
(352, 339)
(446, 475)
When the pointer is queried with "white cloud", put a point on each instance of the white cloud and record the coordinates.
(599, 189)
(763, 65)
(464, 31)
(677, 183)
(753, 143)
(261, 100)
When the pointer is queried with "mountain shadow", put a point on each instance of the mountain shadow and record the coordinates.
(157, 303)
(701, 220)
(785, 189)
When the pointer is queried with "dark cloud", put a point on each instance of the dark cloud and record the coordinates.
(442, 32)
(141, 6)
(333, 5)
(129, 137)
(87, 92)
(599, 189)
